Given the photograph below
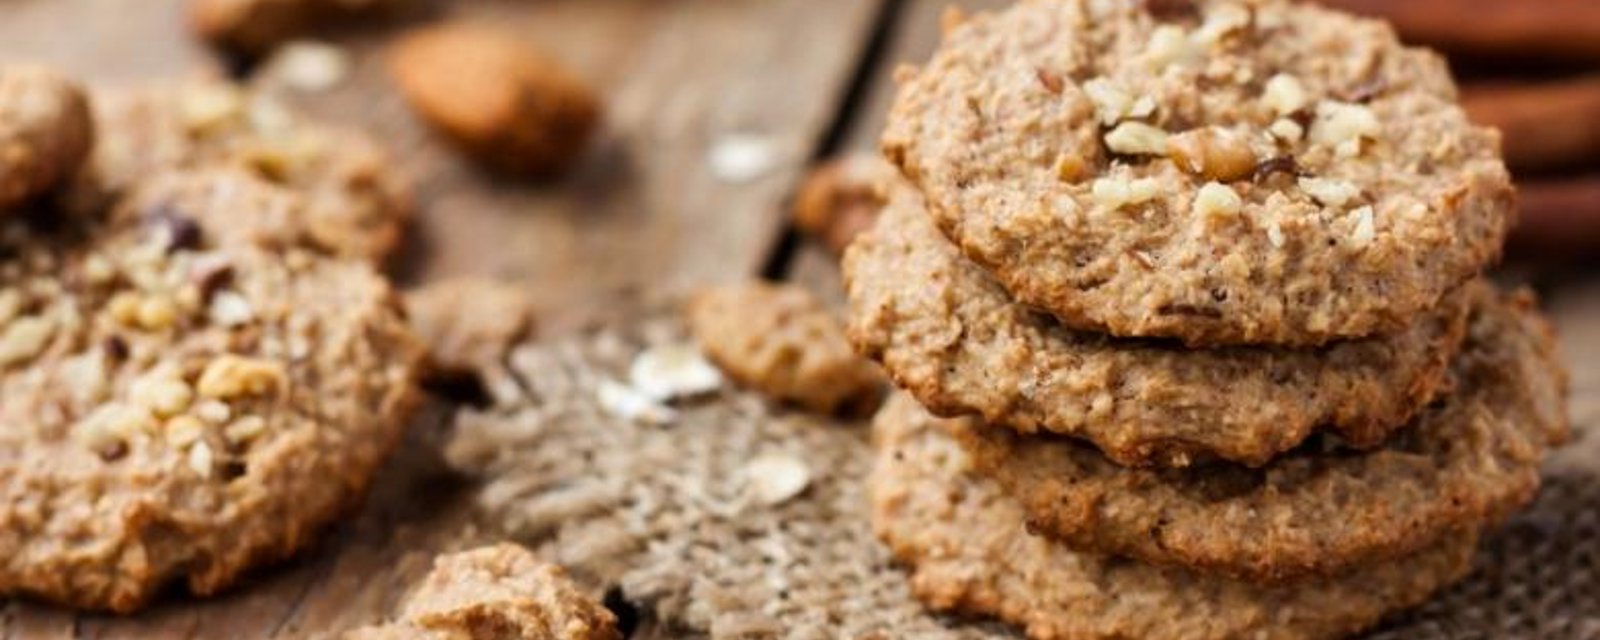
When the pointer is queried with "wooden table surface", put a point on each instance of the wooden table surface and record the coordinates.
(800, 79)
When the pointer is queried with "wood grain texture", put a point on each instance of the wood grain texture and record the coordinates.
(102, 40)
(643, 212)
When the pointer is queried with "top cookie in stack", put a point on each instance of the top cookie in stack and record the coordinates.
(1208, 272)
(1224, 173)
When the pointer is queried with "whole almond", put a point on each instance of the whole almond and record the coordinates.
(511, 107)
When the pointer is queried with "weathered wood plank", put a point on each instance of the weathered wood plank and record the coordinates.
(102, 40)
(645, 211)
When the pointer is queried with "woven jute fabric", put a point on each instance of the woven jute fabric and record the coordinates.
(665, 515)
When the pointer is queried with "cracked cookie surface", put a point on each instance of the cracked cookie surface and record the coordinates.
(950, 335)
(963, 541)
(1222, 172)
(1466, 462)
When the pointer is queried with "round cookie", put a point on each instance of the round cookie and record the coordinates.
(1465, 463)
(1227, 172)
(180, 406)
(45, 132)
(968, 552)
(355, 202)
(950, 335)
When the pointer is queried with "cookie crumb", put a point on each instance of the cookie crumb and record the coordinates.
(1137, 138)
(46, 132)
(780, 340)
(498, 591)
(841, 198)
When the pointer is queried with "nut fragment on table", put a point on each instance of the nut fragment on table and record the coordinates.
(45, 131)
(509, 106)
(498, 591)
(780, 340)
(841, 198)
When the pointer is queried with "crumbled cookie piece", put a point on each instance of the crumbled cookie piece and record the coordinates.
(183, 404)
(469, 323)
(497, 592)
(510, 106)
(779, 339)
(356, 203)
(252, 27)
(841, 198)
(45, 131)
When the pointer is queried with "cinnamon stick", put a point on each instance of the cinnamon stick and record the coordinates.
(1543, 126)
(1536, 28)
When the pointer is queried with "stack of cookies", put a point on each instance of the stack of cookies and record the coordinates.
(1185, 302)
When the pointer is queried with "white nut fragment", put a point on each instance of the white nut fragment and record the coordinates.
(1343, 126)
(310, 66)
(739, 158)
(24, 338)
(628, 403)
(1221, 21)
(672, 371)
(163, 396)
(1286, 130)
(1116, 193)
(1169, 44)
(775, 478)
(201, 459)
(1275, 234)
(1364, 230)
(1137, 138)
(1216, 200)
(1284, 95)
(1329, 192)
(1111, 103)
(229, 309)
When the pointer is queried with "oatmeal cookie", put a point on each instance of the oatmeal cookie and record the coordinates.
(499, 591)
(180, 406)
(945, 331)
(962, 538)
(1224, 171)
(780, 340)
(45, 132)
(511, 107)
(1467, 461)
(355, 202)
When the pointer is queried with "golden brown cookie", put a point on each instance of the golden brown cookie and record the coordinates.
(1222, 172)
(45, 132)
(511, 107)
(780, 340)
(181, 405)
(1467, 462)
(356, 202)
(498, 591)
(946, 332)
(963, 540)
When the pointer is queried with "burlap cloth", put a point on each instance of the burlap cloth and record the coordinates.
(661, 515)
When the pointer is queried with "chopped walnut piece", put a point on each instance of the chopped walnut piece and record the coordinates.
(1344, 126)
(1284, 94)
(1217, 201)
(231, 376)
(780, 340)
(1117, 192)
(1212, 153)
